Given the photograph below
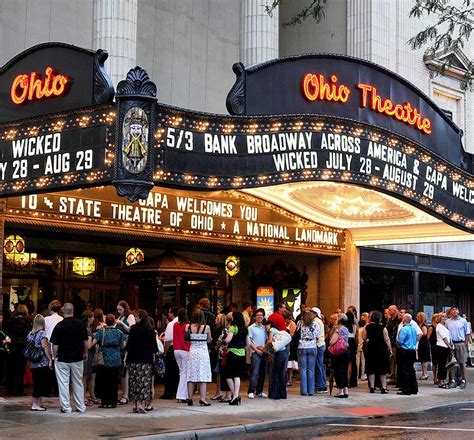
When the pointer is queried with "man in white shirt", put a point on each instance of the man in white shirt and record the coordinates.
(171, 378)
(50, 322)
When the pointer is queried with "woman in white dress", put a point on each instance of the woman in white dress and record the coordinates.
(198, 368)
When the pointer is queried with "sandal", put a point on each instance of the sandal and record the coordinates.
(94, 400)
(88, 403)
(445, 386)
(123, 401)
(424, 378)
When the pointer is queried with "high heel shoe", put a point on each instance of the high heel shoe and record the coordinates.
(190, 402)
(235, 401)
(384, 391)
(218, 397)
(203, 403)
(372, 390)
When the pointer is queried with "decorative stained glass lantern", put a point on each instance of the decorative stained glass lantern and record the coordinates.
(83, 266)
(232, 265)
(134, 256)
(13, 248)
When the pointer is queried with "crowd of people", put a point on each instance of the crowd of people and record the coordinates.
(88, 358)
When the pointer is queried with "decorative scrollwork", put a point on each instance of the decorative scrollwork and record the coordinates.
(133, 190)
(103, 88)
(235, 101)
(137, 84)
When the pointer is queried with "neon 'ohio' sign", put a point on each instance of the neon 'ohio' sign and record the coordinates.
(30, 87)
(316, 87)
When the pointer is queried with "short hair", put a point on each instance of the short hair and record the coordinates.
(280, 304)
(21, 310)
(205, 303)
(407, 317)
(55, 306)
(270, 323)
(173, 310)
(342, 318)
(376, 316)
(68, 309)
(110, 319)
(245, 305)
(262, 311)
(142, 318)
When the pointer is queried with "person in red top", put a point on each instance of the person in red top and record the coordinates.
(277, 317)
(181, 349)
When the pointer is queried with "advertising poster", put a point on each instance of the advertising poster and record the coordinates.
(266, 300)
(292, 298)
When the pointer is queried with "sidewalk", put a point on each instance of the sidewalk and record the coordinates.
(172, 420)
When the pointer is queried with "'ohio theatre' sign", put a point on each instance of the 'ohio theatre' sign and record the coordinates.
(313, 117)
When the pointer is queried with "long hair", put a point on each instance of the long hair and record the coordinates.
(307, 318)
(220, 320)
(21, 310)
(422, 320)
(182, 316)
(239, 322)
(198, 318)
(38, 323)
(125, 307)
(142, 318)
(376, 317)
(86, 314)
(98, 317)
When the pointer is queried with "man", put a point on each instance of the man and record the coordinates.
(406, 344)
(70, 346)
(320, 370)
(171, 378)
(459, 332)
(257, 341)
(50, 322)
(247, 313)
(277, 317)
(392, 328)
(205, 306)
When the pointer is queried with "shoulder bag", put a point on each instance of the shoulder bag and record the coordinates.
(340, 346)
(98, 359)
(280, 340)
(32, 352)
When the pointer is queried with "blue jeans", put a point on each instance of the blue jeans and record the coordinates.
(257, 373)
(307, 362)
(320, 369)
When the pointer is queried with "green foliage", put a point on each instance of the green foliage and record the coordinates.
(315, 9)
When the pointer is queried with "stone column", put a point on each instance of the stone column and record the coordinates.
(258, 34)
(115, 30)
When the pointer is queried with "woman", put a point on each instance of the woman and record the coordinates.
(181, 350)
(141, 346)
(17, 329)
(443, 346)
(307, 351)
(293, 354)
(276, 365)
(98, 324)
(88, 376)
(235, 364)
(378, 351)
(222, 393)
(423, 346)
(125, 320)
(432, 339)
(340, 362)
(360, 357)
(198, 369)
(40, 370)
(352, 328)
(110, 340)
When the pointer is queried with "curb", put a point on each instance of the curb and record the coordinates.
(249, 428)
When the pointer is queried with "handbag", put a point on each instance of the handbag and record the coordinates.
(280, 340)
(158, 365)
(340, 347)
(32, 352)
(98, 359)
(159, 345)
(452, 361)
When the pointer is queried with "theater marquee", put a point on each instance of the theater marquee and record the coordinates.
(217, 217)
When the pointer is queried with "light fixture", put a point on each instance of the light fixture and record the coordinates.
(83, 266)
(447, 289)
(13, 248)
(232, 265)
(134, 256)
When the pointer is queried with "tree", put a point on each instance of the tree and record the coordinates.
(452, 26)
(451, 29)
(314, 8)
